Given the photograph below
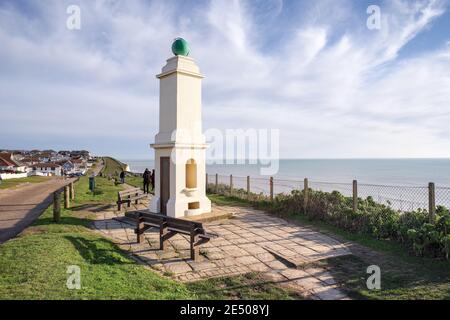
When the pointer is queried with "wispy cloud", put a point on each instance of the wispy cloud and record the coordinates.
(311, 69)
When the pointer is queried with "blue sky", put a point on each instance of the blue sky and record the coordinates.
(311, 69)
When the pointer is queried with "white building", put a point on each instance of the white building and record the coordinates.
(47, 169)
(8, 163)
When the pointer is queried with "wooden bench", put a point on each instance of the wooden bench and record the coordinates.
(129, 195)
(168, 227)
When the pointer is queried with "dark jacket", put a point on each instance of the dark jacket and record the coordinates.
(146, 176)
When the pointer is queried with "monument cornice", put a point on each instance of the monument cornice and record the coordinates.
(179, 71)
(179, 145)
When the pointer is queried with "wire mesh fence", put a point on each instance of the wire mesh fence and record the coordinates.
(402, 198)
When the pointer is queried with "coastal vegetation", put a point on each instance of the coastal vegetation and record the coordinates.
(112, 167)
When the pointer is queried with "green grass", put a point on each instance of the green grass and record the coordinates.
(228, 201)
(135, 181)
(34, 265)
(112, 166)
(105, 191)
(403, 276)
(11, 183)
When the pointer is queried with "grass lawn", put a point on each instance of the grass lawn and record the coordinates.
(34, 265)
(403, 276)
(135, 181)
(11, 183)
(112, 166)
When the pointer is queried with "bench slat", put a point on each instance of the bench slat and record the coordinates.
(130, 191)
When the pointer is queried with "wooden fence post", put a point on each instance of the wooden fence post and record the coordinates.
(231, 184)
(431, 202)
(355, 195)
(56, 206)
(271, 188)
(217, 183)
(305, 194)
(72, 191)
(248, 187)
(66, 197)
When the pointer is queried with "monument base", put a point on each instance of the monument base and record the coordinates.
(182, 207)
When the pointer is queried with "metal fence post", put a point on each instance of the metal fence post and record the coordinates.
(217, 183)
(248, 187)
(231, 184)
(431, 202)
(305, 194)
(355, 195)
(271, 188)
(56, 206)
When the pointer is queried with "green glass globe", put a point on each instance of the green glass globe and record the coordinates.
(180, 47)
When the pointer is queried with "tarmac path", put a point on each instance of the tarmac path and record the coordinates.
(19, 207)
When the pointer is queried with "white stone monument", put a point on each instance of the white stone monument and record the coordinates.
(180, 148)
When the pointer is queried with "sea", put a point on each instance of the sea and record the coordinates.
(395, 172)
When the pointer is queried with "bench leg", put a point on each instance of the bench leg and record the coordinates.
(119, 205)
(194, 248)
(162, 241)
(140, 231)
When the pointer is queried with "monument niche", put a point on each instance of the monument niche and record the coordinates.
(180, 148)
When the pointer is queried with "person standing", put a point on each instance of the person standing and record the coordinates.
(152, 179)
(122, 177)
(146, 176)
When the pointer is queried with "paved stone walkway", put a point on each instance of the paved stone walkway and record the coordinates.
(250, 241)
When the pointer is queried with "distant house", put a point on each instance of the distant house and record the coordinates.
(67, 166)
(9, 164)
(47, 169)
(80, 165)
(80, 154)
(30, 160)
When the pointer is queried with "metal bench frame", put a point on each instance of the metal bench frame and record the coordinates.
(169, 227)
